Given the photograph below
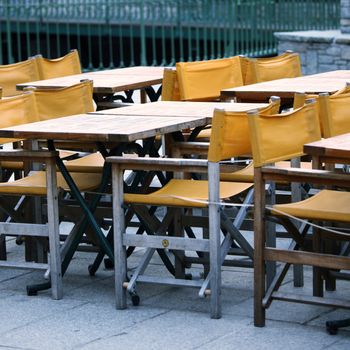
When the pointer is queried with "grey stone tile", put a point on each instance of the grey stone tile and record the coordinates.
(342, 344)
(171, 330)
(19, 310)
(280, 311)
(72, 328)
(275, 335)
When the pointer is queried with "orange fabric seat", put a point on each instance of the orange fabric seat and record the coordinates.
(35, 183)
(325, 205)
(92, 163)
(186, 193)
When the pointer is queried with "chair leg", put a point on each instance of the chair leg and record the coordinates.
(120, 263)
(259, 244)
(317, 271)
(3, 247)
(54, 236)
(214, 240)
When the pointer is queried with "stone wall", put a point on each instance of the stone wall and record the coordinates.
(320, 51)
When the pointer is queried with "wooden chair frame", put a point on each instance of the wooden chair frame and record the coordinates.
(262, 253)
(217, 251)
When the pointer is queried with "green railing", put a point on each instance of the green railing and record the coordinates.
(112, 33)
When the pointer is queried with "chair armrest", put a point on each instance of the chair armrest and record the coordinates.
(302, 175)
(16, 155)
(163, 164)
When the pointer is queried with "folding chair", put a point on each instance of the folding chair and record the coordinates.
(203, 80)
(276, 138)
(58, 67)
(332, 114)
(177, 195)
(286, 65)
(16, 73)
(19, 110)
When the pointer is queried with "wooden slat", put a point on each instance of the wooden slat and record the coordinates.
(299, 298)
(176, 243)
(169, 164)
(169, 281)
(39, 230)
(308, 258)
(28, 265)
(305, 175)
(26, 155)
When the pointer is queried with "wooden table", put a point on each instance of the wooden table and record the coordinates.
(284, 88)
(109, 129)
(332, 150)
(334, 74)
(181, 109)
(109, 82)
(121, 130)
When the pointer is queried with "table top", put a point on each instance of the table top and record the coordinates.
(181, 109)
(334, 147)
(108, 81)
(285, 88)
(334, 74)
(109, 128)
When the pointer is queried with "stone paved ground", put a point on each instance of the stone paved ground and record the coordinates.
(167, 317)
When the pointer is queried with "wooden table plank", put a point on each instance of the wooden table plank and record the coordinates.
(284, 88)
(335, 74)
(110, 128)
(181, 109)
(337, 147)
(103, 84)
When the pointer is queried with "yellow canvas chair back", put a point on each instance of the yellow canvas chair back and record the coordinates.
(170, 85)
(286, 65)
(204, 80)
(17, 110)
(58, 67)
(334, 112)
(230, 132)
(16, 73)
(331, 110)
(56, 103)
(282, 136)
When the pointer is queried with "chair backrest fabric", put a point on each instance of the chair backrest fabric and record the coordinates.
(204, 80)
(286, 65)
(331, 110)
(170, 85)
(334, 113)
(56, 103)
(58, 67)
(16, 73)
(282, 136)
(230, 133)
(17, 110)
